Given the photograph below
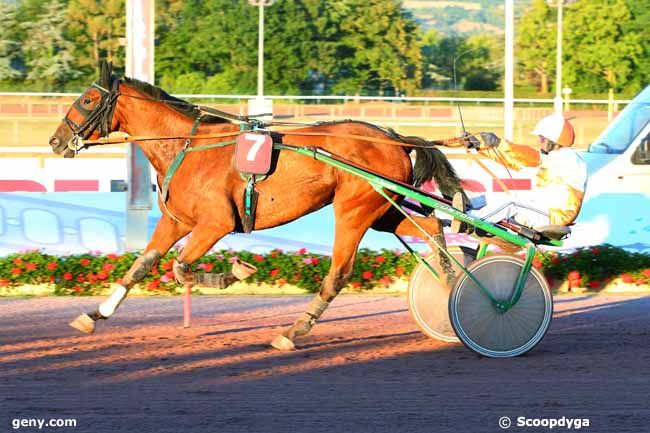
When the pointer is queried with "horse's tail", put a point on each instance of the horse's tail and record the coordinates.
(431, 163)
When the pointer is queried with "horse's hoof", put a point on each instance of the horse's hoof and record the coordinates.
(84, 324)
(283, 343)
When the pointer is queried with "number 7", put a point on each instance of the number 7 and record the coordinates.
(258, 142)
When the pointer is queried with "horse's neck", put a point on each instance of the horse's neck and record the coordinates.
(155, 119)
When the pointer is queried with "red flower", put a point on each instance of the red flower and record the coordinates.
(52, 279)
(80, 279)
(315, 260)
(274, 272)
(574, 275)
(302, 251)
(575, 283)
(4, 283)
(640, 281)
(167, 266)
(281, 281)
(207, 267)
(84, 262)
(52, 266)
(399, 271)
(18, 261)
(16, 271)
(67, 276)
(555, 260)
(386, 280)
(356, 284)
(154, 271)
(91, 277)
(594, 284)
(77, 289)
(112, 256)
(108, 267)
(153, 285)
(595, 250)
(627, 278)
(537, 263)
(169, 275)
(380, 259)
(646, 273)
(258, 258)
(295, 277)
(366, 275)
(31, 266)
(102, 275)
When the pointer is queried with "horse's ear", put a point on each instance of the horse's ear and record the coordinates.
(104, 73)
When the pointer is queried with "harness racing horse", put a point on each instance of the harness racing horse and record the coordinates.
(205, 196)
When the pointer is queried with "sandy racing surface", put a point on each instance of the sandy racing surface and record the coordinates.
(365, 368)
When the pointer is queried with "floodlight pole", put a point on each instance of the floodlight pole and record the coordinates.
(140, 65)
(509, 66)
(557, 101)
(260, 44)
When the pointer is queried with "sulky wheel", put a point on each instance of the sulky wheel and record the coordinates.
(488, 331)
(429, 303)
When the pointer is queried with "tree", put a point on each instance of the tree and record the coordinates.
(49, 55)
(9, 44)
(482, 70)
(640, 10)
(600, 54)
(536, 44)
(367, 45)
(95, 28)
(345, 46)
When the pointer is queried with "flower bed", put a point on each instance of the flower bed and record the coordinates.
(90, 274)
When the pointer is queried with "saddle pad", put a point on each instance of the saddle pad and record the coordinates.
(253, 153)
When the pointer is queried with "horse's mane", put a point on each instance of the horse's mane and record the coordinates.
(180, 105)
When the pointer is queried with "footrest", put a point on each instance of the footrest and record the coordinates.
(555, 232)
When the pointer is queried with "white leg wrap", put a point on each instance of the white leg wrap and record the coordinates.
(108, 307)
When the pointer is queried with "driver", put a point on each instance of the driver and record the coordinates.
(559, 185)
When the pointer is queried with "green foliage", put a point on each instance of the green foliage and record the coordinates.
(604, 43)
(48, 52)
(88, 274)
(596, 266)
(95, 28)
(9, 43)
(601, 54)
(368, 47)
(536, 44)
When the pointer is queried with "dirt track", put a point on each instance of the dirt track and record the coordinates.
(364, 368)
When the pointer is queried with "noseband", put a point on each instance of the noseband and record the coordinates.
(101, 117)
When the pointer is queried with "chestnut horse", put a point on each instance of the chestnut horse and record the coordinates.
(205, 196)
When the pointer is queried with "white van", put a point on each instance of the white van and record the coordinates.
(616, 209)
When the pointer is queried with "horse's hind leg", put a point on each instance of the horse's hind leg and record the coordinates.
(394, 221)
(353, 218)
(166, 234)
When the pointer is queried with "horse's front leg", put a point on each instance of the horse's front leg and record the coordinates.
(166, 234)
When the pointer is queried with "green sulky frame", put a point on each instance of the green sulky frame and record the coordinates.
(382, 184)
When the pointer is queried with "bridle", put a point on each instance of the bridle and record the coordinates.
(100, 118)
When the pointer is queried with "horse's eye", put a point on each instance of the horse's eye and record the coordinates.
(87, 101)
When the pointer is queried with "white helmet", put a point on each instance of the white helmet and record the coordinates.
(555, 128)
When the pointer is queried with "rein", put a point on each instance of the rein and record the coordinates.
(451, 142)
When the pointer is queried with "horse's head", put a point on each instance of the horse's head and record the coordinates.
(90, 116)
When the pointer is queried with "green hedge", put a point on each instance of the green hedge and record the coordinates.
(89, 274)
